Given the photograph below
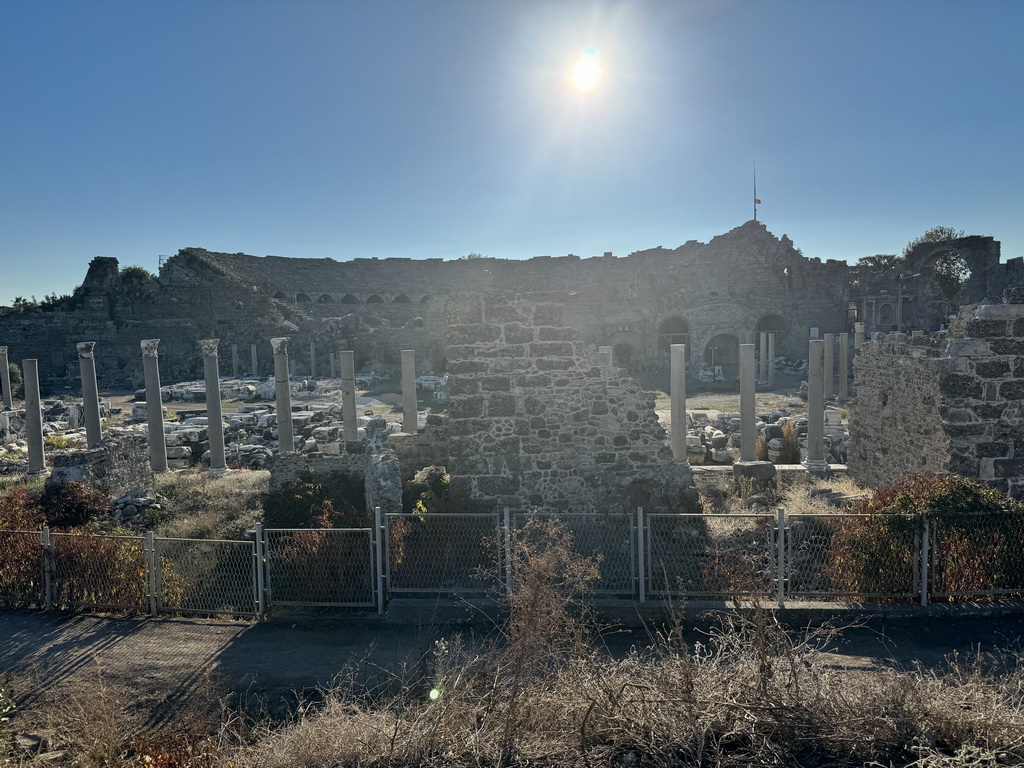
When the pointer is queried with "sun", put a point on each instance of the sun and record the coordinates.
(586, 73)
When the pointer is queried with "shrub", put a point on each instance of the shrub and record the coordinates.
(310, 501)
(19, 511)
(16, 380)
(69, 505)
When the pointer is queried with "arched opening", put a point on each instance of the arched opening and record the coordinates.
(401, 299)
(375, 299)
(325, 299)
(302, 298)
(622, 354)
(723, 351)
(348, 298)
(281, 295)
(948, 271)
(426, 299)
(673, 330)
(886, 315)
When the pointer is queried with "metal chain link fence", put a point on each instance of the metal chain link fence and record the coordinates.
(457, 553)
(22, 580)
(328, 568)
(93, 571)
(977, 556)
(206, 576)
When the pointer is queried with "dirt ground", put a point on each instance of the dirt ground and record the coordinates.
(165, 666)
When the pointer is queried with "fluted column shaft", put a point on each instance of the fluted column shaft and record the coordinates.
(409, 407)
(33, 417)
(348, 394)
(154, 405)
(90, 393)
(282, 390)
(214, 417)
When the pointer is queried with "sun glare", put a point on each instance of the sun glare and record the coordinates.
(586, 74)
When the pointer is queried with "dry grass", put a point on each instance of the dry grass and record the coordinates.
(205, 506)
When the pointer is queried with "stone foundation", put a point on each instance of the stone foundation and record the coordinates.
(118, 465)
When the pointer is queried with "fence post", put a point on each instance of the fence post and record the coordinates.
(152, 578)
(924, 563)
(261, 607)
(47, 543)
(780, 557)
(507, 539)
(378, 522)
(641, 560)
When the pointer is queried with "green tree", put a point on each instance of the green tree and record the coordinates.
(880, 262)
(933, 235)
(136, 273)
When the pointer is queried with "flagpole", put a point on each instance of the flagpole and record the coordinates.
(755, 190)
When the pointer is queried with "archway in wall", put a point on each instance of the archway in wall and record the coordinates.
(348, 298)
(375, 299)
(302, 298)
(673, 330)
(426, 299)
(401, 299)
(622, 354)
(724, 350)
(942, 277)
(886, 315)
(325, 298)
(281, 296)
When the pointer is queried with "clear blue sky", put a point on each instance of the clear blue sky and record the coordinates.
(435, 128)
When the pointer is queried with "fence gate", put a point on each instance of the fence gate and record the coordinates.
(330, 567)
(453, 553)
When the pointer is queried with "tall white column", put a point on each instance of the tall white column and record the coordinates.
(154, 405)
(348, 394)
(771, 358)
(830, 365)
(255, 361)
(214, 417)
(5, 379)
(33, 417)
(312, 360)
(762, 360)
(815, 461)
(90, 393)
(844, 366)
(748, 407)
(677, 392)
(235, 367)
(858, 336)
(409, 406)
(283, 392)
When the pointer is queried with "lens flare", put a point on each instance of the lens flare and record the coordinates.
(587, 72)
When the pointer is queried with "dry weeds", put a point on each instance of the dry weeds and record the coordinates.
(205, 506)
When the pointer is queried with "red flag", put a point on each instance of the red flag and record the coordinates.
(756, 201)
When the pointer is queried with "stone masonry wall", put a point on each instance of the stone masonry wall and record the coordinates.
(118, 465)
(533, 423)
(972, 381)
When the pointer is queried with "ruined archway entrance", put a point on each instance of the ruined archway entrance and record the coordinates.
(673, 330)
(772, 323)
(723, 351)
(622, 354)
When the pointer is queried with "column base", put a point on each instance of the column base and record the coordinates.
(218, 471)
(816, 466)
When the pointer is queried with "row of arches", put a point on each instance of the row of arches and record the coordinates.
(348, 298)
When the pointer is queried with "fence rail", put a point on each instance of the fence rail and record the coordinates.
(866, 558)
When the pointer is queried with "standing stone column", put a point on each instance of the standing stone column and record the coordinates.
(815, 461)
(214, 417)
(858, 336)
(5, 379)
(607, 353)
(348, 394)
(844, 366)
(90, 393)
(312, 360)
(283, 392)
(771, 358)
(255, 360)
(409, 407)
(33, 417)
(677, 391)
(748, 407)
(234, 361)
(154, 405)
(830, 365)
(762, 361)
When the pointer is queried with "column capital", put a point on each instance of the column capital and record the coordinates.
(280, 345)
(3, 350)
(209, 347)
(149, 347)
(85, 349)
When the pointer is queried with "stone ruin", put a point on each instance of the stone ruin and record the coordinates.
(947, 402)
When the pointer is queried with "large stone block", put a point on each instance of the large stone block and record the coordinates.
(960, 386)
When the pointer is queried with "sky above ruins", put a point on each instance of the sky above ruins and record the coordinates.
(436, 129)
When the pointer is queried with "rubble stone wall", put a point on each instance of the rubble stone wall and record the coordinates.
(533, 423)
(968, 384)
(118, 465)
